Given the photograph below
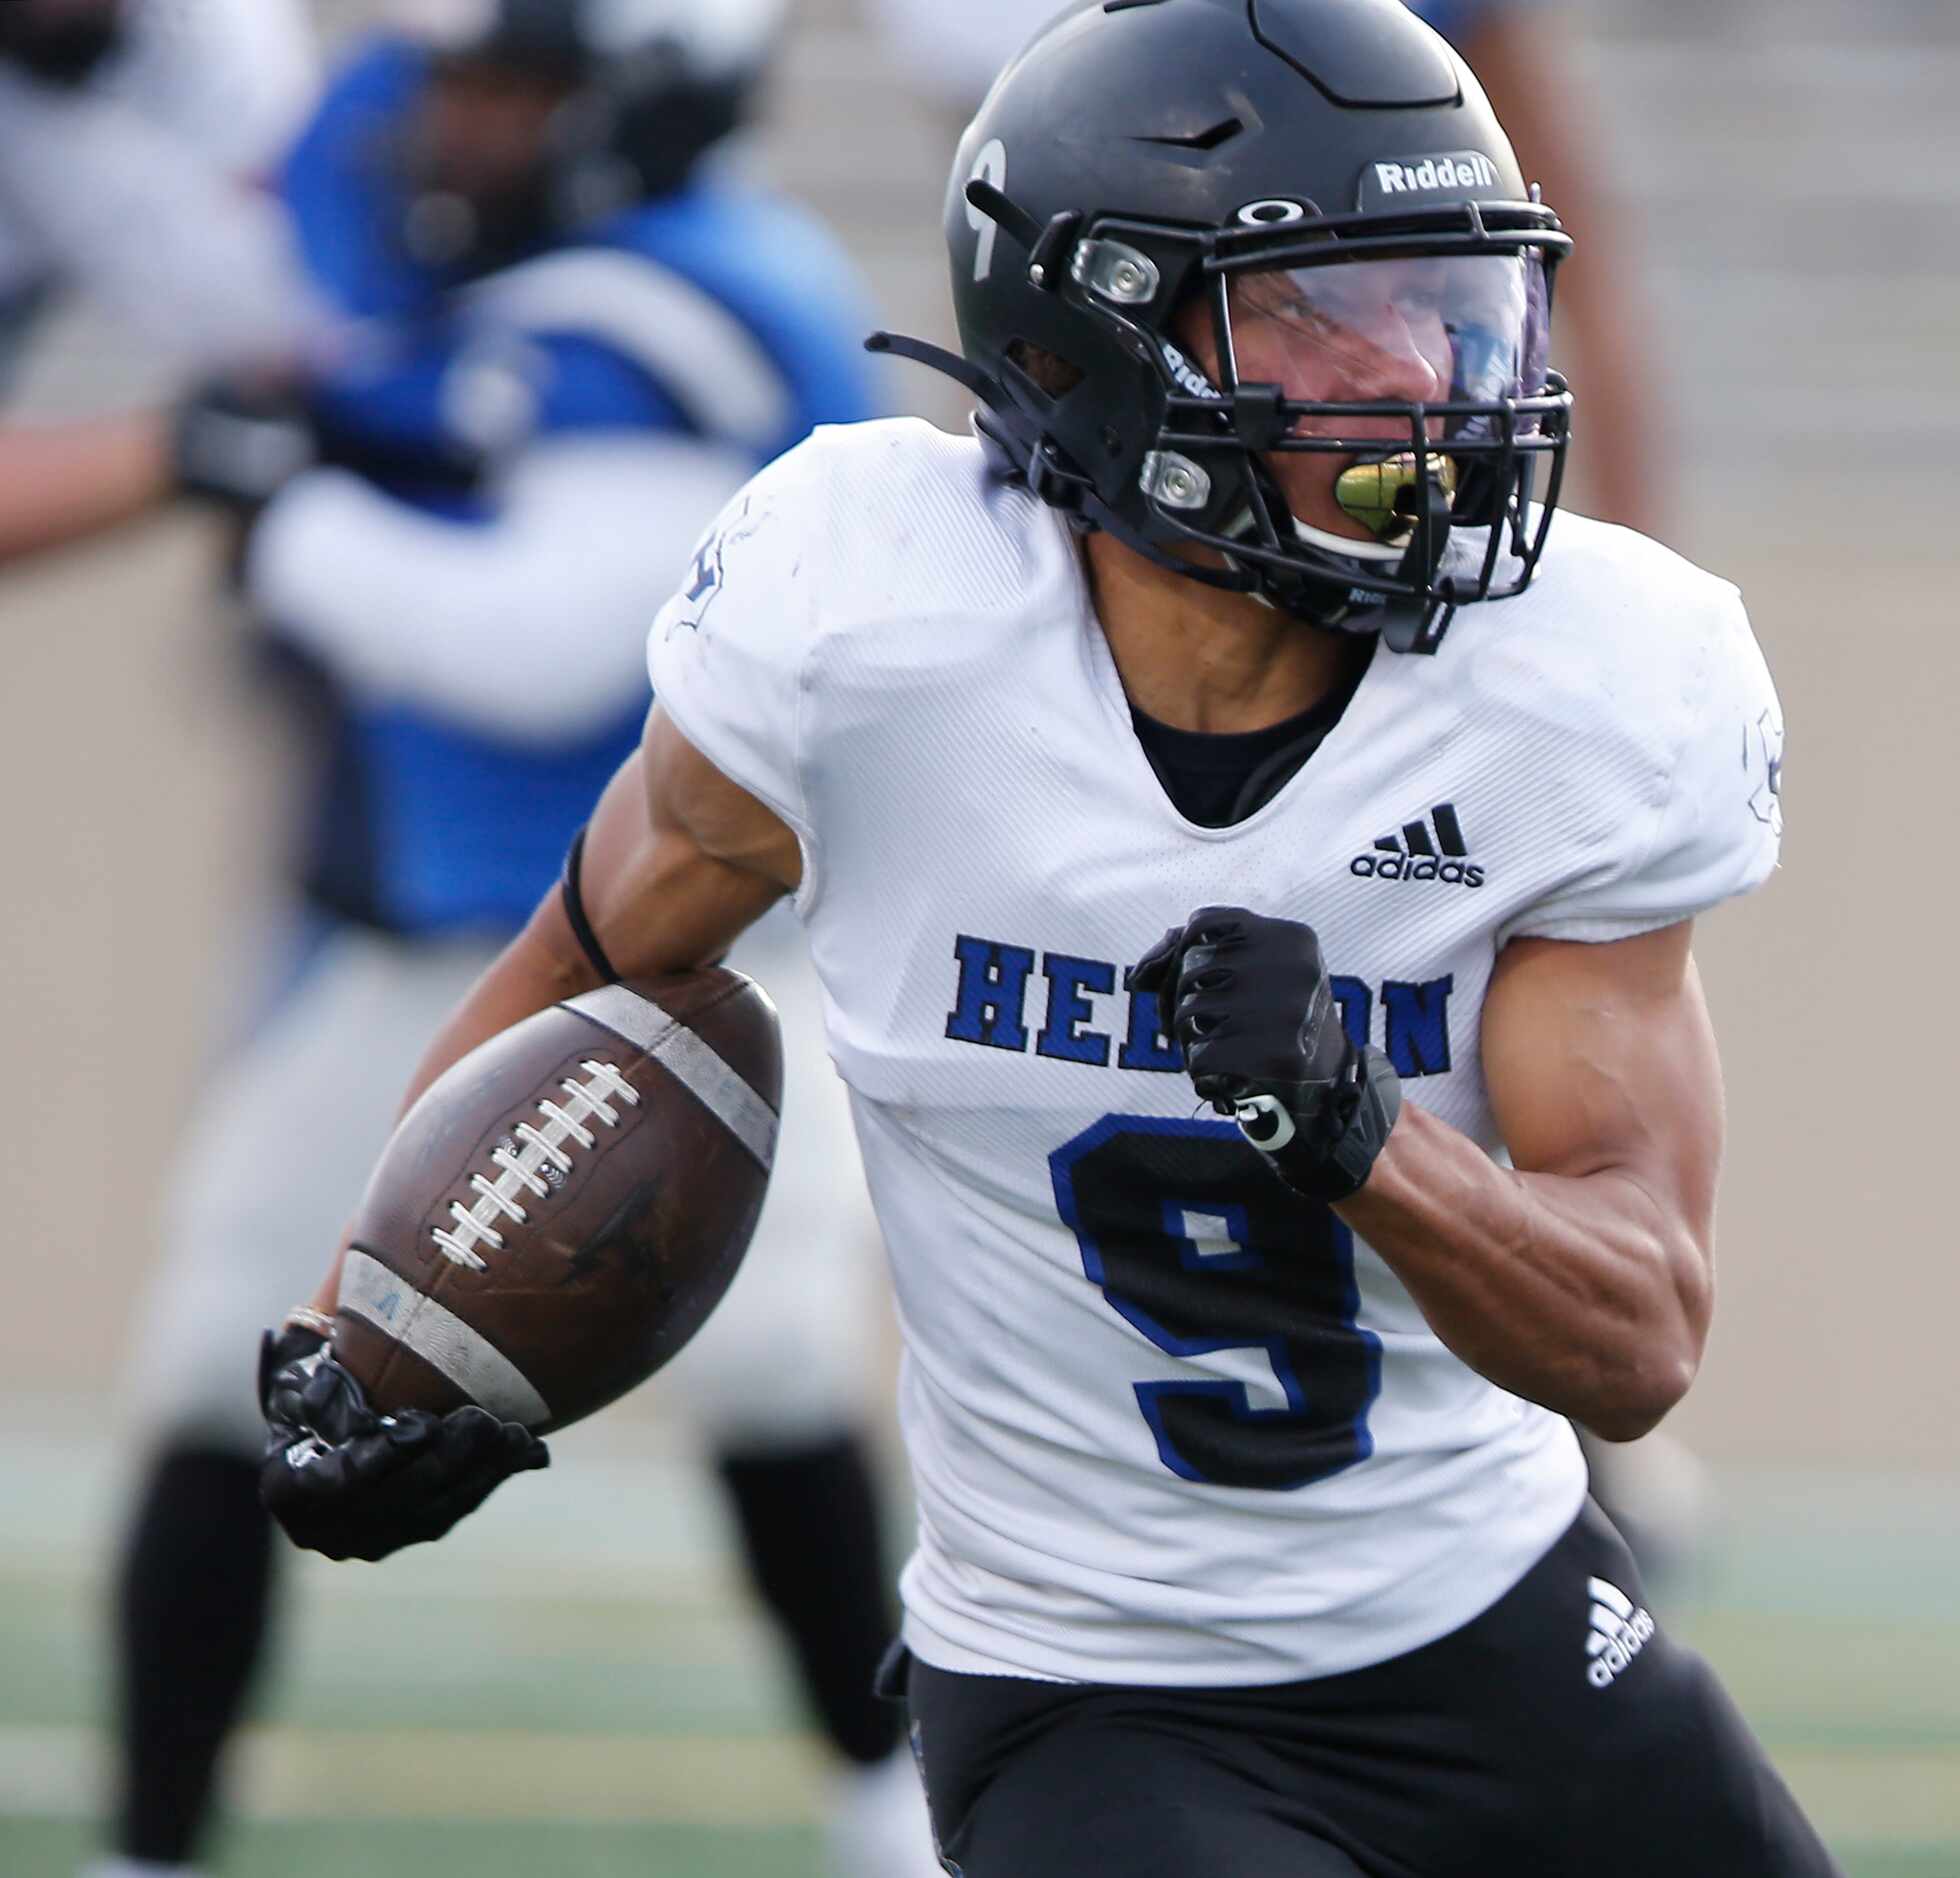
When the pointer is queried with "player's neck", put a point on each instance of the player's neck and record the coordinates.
(1197, 658)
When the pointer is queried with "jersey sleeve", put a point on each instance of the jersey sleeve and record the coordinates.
(237, 78)
(729, 653)
(1719, 823)
(586, 532)
(126, 212)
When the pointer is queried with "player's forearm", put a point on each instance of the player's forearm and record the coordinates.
(592, 535)
(654, 899)
(1580, 1293)
(60, 484)
(541, 967)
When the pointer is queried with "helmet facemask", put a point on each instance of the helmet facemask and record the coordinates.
(1333, 420)
(1210, 366)
(1133, 176)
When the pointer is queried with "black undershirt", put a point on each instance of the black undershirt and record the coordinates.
(1216, 779)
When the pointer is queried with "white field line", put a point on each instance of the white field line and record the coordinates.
(1876, 1797)
(384, 1773)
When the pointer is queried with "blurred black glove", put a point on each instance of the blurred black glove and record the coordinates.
(1249, 1001)
(347, 1482)
(238, 442)
(60, 46)
(238, 445)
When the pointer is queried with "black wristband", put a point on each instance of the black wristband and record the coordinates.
(1333, 1162)
(574, 903)
(289, 1344)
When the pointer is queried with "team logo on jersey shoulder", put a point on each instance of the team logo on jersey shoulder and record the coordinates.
(705, 575)
(1431, 847)
(708, 574)
(1762, 767)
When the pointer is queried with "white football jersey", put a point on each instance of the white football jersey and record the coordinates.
(134, 188)
(1169, 1424)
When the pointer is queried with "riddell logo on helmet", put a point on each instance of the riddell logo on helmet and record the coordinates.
(1466, 170)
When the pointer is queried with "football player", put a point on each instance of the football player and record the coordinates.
(1233, 716)
(579, 338)
(132, 133)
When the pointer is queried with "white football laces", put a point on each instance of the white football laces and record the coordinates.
(520, 1169)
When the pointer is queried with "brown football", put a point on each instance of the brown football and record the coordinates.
(563, 1208)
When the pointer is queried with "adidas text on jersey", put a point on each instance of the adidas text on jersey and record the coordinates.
(1417, 854)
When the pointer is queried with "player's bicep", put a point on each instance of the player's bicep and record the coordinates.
(1600, 1059)
(698, 802)
(678, 861)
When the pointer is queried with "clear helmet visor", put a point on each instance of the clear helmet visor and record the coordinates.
(1468, 329)
(1353, 345)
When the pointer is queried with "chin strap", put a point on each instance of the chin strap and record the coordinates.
(1014, 439)
(983, 385)
(1016, 443)
(1418, 626)
(1011, 437)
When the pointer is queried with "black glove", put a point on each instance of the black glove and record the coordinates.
(238, 442)
(1249, 1000)
(353, 1484)
(238, 445)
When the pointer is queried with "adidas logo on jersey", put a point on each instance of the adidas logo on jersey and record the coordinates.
(1432, 849)
(1618, 1634)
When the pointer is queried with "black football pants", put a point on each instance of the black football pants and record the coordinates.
(1518, 1747)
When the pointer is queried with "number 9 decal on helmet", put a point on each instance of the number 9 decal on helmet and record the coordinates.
(990, 166)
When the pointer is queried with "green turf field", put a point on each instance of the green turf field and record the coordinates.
(573, 1685)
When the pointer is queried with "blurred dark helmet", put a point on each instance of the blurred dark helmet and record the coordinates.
(59, 40)
(544, 116)
(1257, 287)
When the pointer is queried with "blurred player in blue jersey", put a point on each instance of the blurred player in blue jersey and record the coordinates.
(132, 137)
(575, 339)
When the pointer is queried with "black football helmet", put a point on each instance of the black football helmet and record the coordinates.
(1152, 185)
(651, 86)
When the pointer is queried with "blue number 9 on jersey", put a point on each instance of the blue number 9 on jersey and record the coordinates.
(1129, 1189)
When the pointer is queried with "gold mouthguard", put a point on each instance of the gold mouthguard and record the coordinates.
(1372, 492)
